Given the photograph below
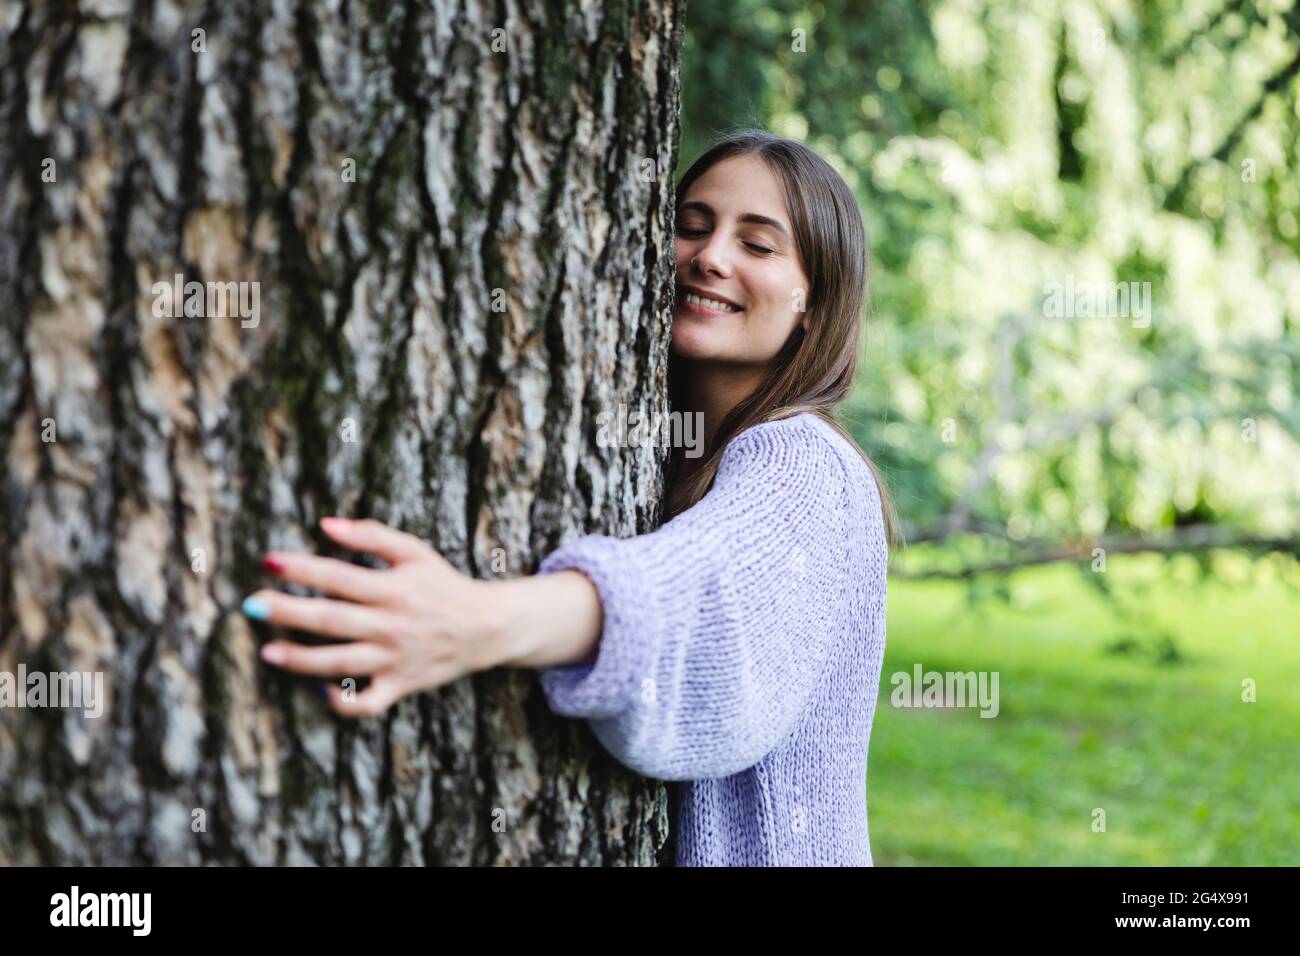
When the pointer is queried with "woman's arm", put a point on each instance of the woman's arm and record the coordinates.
(692, 649)
(546, 620)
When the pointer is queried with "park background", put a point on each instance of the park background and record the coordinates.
(1100, 507)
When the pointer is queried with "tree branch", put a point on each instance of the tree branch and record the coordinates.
(1189, 538)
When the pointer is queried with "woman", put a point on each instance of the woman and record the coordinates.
(737, 648)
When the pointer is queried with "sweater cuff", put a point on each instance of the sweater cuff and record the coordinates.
(624, 657)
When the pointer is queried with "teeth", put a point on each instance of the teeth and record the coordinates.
(710, 303)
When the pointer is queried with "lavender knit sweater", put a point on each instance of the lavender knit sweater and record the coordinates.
(742, 649)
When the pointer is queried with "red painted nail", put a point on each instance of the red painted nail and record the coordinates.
(274, 565)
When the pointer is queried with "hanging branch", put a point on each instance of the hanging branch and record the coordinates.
(1189, 538)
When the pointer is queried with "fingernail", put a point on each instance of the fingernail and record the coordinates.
(273, 654)
(273, 565)
(331, 522)
(256, 608)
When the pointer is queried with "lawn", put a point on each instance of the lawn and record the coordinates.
(1138, 712)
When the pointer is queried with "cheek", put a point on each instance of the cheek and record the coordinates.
(775, 296)
(681, 249)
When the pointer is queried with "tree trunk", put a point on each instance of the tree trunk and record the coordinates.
(458, 217)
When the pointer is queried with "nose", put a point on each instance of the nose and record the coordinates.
(712, 257)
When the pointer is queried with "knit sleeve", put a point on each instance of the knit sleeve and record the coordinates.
(718, 625)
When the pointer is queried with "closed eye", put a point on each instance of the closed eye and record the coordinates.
(752, 246)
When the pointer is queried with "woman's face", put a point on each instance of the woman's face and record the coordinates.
(735, 246)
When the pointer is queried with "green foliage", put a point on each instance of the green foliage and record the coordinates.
(1003, 150)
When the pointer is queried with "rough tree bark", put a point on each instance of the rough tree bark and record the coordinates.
(459, 215)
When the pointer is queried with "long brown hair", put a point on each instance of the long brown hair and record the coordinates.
(813, 372)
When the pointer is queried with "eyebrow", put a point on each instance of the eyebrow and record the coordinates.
(744, 217)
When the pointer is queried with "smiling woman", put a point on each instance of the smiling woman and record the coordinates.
(737, 648)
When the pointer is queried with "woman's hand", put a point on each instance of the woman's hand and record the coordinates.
(416, 625)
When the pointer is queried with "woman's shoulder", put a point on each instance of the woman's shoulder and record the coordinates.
(803, 440)
(807, 454)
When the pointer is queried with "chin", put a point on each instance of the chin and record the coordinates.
(694, 344)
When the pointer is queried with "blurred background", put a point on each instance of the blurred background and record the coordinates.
(1079, 379)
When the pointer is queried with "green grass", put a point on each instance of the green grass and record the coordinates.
(1187, 773)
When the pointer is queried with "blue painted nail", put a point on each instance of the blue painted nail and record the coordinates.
(256, 608)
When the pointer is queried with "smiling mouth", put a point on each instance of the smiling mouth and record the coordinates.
(715, 304)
